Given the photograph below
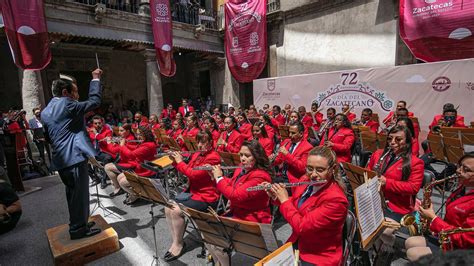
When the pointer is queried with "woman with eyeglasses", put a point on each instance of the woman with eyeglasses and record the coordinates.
(340, 137)
(316, 213)
(406, 122)
(459, 213)
(251, 206)
(259, 133)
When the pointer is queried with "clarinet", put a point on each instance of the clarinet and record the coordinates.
(296, 184)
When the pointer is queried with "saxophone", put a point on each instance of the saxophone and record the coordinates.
(409, 220)
(444, 240)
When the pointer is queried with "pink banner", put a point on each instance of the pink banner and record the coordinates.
(163, 36)
(438, 30)
(25, 27)
(246, 38)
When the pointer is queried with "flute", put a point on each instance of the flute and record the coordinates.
(209, 168)
(296, 184)
(161, 154)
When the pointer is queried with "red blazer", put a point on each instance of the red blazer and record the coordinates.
(181, 110)
(317, 225)
(318, 117)
(190, 133)
(373, 126)
(307, 120)
(400, 194)
(459, 213)
(246, 130)
(351, 116)
(165, 113)
(458, 123)
(133, 158)
(270, 131)
(248, 206)
(234, 142)
(278, 120)
(142, 123)
(155, 126)
(215, 137)
(267, 144)
(201, 185)
(100, 137)
(343, 140)
(114, 148)
(296, 161)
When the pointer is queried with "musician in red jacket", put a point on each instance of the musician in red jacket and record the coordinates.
(169, 112)
(366, 120)
(449, 118)
(112, 145)
(230, 139)
(185, 109)
(277, 118)
(154, 123)
(201, 194)
(292, 155)
(317, 116)
(316, 213)
(415, 145)
(346, 110)
(245, 128)
(459, 214)
(139, 120)
(306, 118)
(145, 151)
(391, 118)
(340, 138)
(210, 124)
(260, 134)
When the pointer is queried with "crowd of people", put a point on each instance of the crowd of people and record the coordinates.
(275, 146)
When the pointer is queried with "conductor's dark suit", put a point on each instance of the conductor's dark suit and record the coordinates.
(64, 124)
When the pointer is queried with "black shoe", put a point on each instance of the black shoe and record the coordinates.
(87, 233)
(172, 257)
(90, 224)
(120, 192)
(95, 182)
(103, 184)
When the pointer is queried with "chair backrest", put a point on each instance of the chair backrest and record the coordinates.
(348, 236)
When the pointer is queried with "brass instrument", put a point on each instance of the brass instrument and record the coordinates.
(161, 154)
(296, 184)
(444, 240)
(209, 167)
(348, 110)
(409, 220)
(118, 139)
(437, 129)
(378, 166)
(325, 127)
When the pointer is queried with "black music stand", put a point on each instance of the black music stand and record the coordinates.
(249, 238)
(96, 166)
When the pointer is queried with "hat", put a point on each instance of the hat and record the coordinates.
(448, 106)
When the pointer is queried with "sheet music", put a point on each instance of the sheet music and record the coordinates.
(268, 236)
(285, 257)
(370, 213)
(468, 148)
(157, 184)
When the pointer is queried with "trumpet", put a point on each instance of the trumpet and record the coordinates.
(348, 110)
(209, 167)
(161, 154)
(296, 184)
(444, 240)
(327, 125)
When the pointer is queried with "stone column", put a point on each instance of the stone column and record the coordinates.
(31, 90)
(224, 87)
(153, 83)
(231, 92)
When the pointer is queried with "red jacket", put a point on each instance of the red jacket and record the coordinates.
(114, 148)
(155, 126)
(190, 133)
(100, 138)
(343, 139)
(182, 111)
(351, 116)
(459, 213)
(135, 125)
(234, 142)
(458, 123)
(248, 206)
(373, 126)
(317, 225)
(133, 158)
(165, 113)
(318, 117)
(215, 137)
(296, 161)
(201, 185)
(400, 194)
(307, 120)
(267, 144)
(278, 120)
(246, 130)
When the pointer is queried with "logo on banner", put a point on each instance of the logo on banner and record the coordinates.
(161, 10)
(271, 84)
(354, 93)
(441, 84)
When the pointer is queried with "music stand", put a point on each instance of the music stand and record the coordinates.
(249, 238)
(96, 166)
(466, 135)
(172, 144)
(368, 141)
(454, 149)
(381, 141)
(230, 159)
(436, 145)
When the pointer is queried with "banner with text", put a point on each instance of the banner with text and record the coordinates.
(27, 34)
(246, 38)
(438, 30)
(425, 87)
(163, 36)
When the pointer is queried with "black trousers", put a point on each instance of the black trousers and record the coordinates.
(76, 179)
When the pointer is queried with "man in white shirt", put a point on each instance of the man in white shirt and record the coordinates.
(38, 134)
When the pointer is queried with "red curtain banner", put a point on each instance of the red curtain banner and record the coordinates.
(246, 38)
(27, 34)
(163, 36)
(438, 30)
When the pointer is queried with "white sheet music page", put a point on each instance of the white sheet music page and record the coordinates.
(370, 213)
(286, 257)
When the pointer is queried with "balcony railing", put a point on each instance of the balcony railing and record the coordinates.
(273, 6)
(185, 13)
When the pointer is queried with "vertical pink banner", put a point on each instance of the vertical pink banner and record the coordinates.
(162, 27)
(438, 30)
(27, 34)
(246, 38)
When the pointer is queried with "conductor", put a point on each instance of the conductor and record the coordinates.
(64, 124)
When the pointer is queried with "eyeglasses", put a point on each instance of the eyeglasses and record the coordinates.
(396, 139)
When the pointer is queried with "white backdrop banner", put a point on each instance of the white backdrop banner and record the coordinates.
(425, 88)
